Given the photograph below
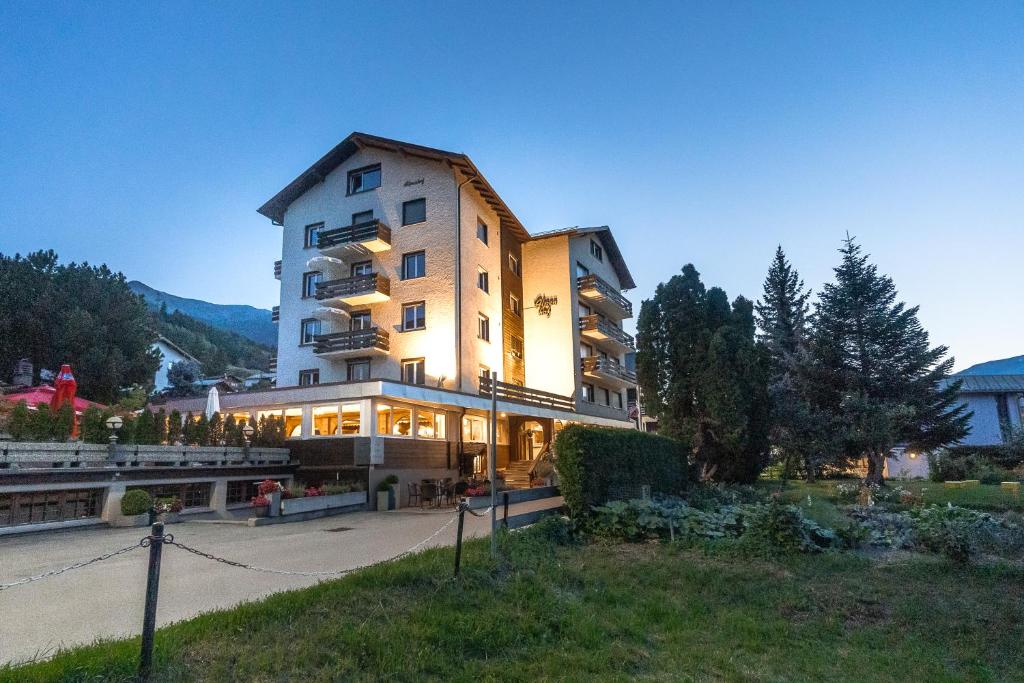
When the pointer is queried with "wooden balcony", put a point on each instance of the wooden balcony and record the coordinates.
(599, 293)
(368, 342)
(272, 366)
(359, 290)
(596, 329)
(355, 240)
(520, 394)
(608, 371)
(277, 270)
(275, 314)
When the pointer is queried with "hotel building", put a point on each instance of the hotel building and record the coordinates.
(405, 282)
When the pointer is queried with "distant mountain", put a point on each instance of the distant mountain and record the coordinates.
(1003, 366)
(252, 323)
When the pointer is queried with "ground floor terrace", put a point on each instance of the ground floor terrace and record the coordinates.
(369, 430)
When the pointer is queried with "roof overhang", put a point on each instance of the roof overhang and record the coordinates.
(611, 247)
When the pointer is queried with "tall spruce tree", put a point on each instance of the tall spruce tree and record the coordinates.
(701, 373)
(798, 432)
(874, 370)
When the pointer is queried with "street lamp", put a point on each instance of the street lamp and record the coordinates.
(114, 423)
(247, 432)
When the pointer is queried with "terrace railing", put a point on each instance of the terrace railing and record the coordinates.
(607, 366)
(614, 332)
(521, 394)
(372, 338)
(604, 290)
(353, 286)
(368, 231)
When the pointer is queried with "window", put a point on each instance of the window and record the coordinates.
(309, 281)
(481, 231)
(242, 491)
(603, 395)
(596, 251)
(414, 265)
(351, 419)
(357, 369)
(514, 265)
(587, 392)
(364, 179)
(515, 305)
(483, 327)
(429, 424)
(310, 329)
(584, 310)
(474, 429)
(312, 235)
(414, 211)
(586, 350)
(483, 281)
(309, 377)
(581, 270)
(325, 420)
(362, 217)
(293, 422)
(413, 371)
(394, 420)
(362, 268)
(485, 372)
(414, 316)
(617, 400)
(48, 506)
(359, 320)
(517, 347)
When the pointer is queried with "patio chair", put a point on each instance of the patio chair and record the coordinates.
(414, 494)
(429, 491)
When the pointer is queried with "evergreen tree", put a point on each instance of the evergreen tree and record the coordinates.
(63, 422)
(188, 430)
(41, 423)
(18, 426)
(874, 370)
(215, 430)
(161, 426)
(201, 430)
(798, 432)
(174, 435)
(703, 376)
(145, 428)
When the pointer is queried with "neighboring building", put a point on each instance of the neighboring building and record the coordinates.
(997, 404)
(405, 280)
(257, 378)
(636, 407)
(170, 353)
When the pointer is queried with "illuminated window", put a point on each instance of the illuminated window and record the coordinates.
(517, 347)
(351, 419)
(485, 372)
(414, 265)
(364, 179)
(483, 281)
(481, 231)
(414, 371)
(514, 264)
(474, 429)
(414, 211)
(394, 420)
(312, 235)
(309, 282)
(325, 420)
(309, 330)
(429, 424)
(515, 305)
(414, 316)
(596, 251)
(309, 377)
(293, 423)
(483, 327)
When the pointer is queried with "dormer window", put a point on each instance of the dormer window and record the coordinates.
(364, 179)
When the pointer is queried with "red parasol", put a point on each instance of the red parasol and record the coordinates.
(65, 386)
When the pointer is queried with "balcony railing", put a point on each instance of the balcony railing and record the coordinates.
(594, 288)
(520, 394)
(608, 369)
(272, 365)
(373, 235)
(595, 327)
(356, 290)
(275, 314)
(277, 270)
(370, 340)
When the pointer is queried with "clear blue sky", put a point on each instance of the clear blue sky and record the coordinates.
(145, 136)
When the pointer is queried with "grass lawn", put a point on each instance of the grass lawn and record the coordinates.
(601, 612)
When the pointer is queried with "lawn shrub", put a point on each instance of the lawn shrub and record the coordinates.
(774, 528)
(960, 533)
(982, 463)
(598, 464)
(135, 502)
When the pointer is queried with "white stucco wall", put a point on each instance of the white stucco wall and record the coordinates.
(551, 343)
(169, 356)
(985, 427)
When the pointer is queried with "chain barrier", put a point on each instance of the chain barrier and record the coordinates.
(483, 513)
(77, 565)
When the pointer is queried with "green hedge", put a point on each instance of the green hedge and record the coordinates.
(599, 464)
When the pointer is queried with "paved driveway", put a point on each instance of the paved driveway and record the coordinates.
(105, 600)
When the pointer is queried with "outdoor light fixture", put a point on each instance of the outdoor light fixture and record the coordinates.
(247, 432)
(113, 423)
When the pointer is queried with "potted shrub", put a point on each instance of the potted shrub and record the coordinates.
(396, 492)
(260, 506)
(135, 506)
(271, 491)
(383, 495)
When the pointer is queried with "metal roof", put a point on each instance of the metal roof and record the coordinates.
(989, 384)
(604, 233)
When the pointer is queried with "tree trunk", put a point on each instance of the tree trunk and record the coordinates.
(876, 463)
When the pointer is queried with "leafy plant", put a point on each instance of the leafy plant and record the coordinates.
(135, 502)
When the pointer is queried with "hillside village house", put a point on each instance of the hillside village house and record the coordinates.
(405, 282)
(170, 353)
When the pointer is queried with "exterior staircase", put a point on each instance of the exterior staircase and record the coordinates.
(517, 474)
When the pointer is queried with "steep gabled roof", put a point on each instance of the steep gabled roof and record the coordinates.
(276, 206)
(988, 384)
(604, 233)
(164, 340)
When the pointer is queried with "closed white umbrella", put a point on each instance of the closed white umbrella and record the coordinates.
(212, 402)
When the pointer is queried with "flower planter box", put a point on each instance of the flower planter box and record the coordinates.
(261, 511)
(170, 517)
(293, 506)
(1011, 486)
(130, 520)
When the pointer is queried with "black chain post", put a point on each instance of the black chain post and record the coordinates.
(458, 537)
(504, 519)
(156, 543)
